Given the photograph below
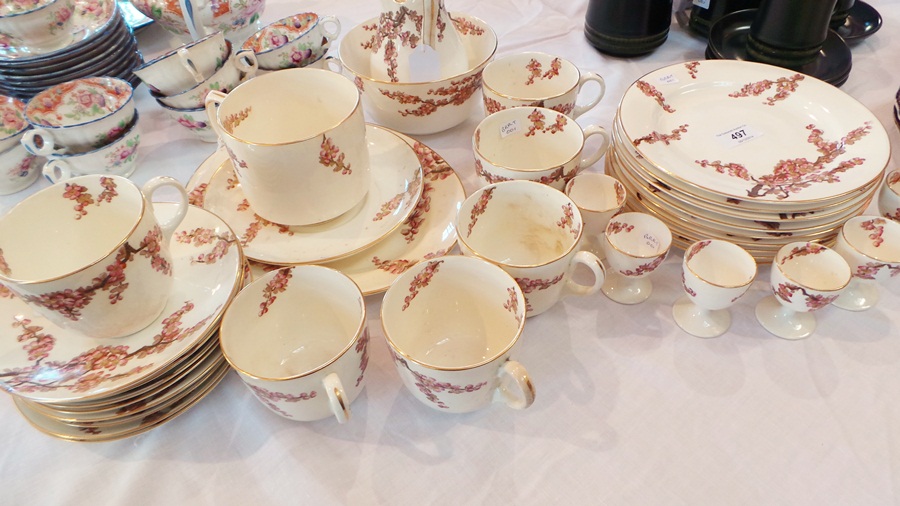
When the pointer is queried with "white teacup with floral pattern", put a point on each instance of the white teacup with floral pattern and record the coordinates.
(297, 140)
(452, 325)
(90, 255)
(18, 169)
(186, 66)
(118, 158)
(236, 69)
(805, 277)
(194, 120)
(599, 197)
(533, 232)
(871, 245)
(889, 196)
(294, 41)
(635, 244)
(12, 122)
(297, 337)
(538, 79)
(78, 116)
(715, 274)
(534, 144)
(36, 24)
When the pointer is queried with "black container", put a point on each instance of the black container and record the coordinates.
(627, 27)
(789, 33)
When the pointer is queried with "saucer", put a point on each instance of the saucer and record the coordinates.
(395, 189)
(728, 40)
(429, 232)
(88, 21)
(862, 21)
(41, 362)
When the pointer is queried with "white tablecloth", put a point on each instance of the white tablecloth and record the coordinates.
(630, 409)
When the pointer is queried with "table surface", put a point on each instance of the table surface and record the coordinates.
(629, 409)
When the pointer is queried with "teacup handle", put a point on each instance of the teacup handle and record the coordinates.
(150, 187)
(333, 64)
(522, 394)
(592, 262)
(57, 170)
(337, 399)
(45, 139)
(586, 78)
(188, 64)
(590, 131)
(245, 62)
(332, 21)
(212, 102)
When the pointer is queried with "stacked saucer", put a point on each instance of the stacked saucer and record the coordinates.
(102, 44)
(372, 252)
(79, 388)
(746, 152)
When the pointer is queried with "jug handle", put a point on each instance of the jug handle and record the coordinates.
(195, 26)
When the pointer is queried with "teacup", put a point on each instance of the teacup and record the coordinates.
(90, 255)
(12, 122)
(889, 196)
(18, 169)
(599, 197)
(297, 337)
(534, 144)
(537, 79)
(236, 69)
(118, 158)
(635, 244)
(195, 120)
(533, 232)
(41, 24)
(294, 41)
(715, 274)
(78, 116)
(805, 277)
(297, 140)
(871, 245)
(452, 325)
(185, 67)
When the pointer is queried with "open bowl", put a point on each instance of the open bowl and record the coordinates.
(420, 107)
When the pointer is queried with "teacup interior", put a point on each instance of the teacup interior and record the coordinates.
(531, 76)
(723, 264)
(67, 227)
(638, 235)
(874, 237)
(596, 192)
(528, 139)
(825, 270)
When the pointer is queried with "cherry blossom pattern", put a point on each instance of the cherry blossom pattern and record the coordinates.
(197, 195)
(568, 220)
(616, 227)
(398, 266)
(362, 349)
(809, 248)
(535, 70)
(793, 175)
(654, 137)
(94, 367)
(457, 93)
(651, 91)
(258, 223)
(83, 199)
(480, 207)
(696, 248)
(430, 387)
(876, 226)
(529, 285)
(492, 106)
(784, 86)
(388, 33)
(69, 303)
(278, 284)
(786, 292)
(512, 303)
(466, 27)
(871, 269)
(644, 268)
(434, 169)
(202, 236)
(234, 120)
(690, 291)
(692, 67)
(330, 155)
(269, 398)
(421, 280)
(4, 266)
(538, 123)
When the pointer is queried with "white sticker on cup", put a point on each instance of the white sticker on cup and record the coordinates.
(702, 3)
(737, 136)
(509, 128)
(668, 79)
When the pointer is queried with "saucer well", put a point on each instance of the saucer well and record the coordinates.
(42, 362)
(90, 16)
(395, 189)
(862, 21)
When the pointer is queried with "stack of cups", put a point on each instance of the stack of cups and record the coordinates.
(296, 41)
(18, 167)
(85, 126)
(180, 79)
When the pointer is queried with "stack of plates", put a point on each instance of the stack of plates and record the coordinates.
(751, 153)
(408, 215)
(79, 388)
(102, 45)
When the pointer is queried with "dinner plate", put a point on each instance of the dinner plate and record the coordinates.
(753, 132)
(395, 188)
(40, 361)
(90, 18)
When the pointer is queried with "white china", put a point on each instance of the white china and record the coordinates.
(118, 158)
(43, 25)
(49, 360)
(88, 19)
(534, 144)
(395, 189)
(234, 70)
(198, 18)
(297, 138)
(871, 245)
(634, 245)
(599, 197)
(18, 169)
(186, 66)
(715, 274)
(12, 122)
(534, 233)
(538, 79)
(298, 339)
(294, 41)
(889, 196)
(452, 325)
(805, 277)
(194, 120)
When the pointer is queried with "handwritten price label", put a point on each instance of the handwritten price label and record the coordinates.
(668, 79)
(509, 128)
